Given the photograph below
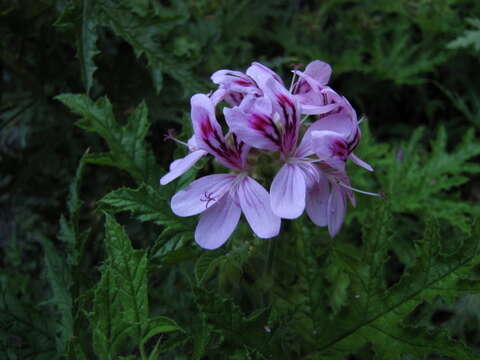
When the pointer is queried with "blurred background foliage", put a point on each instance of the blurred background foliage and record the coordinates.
(411, 66)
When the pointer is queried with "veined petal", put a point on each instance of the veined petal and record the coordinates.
(254, 129)
(287, 193)
(235, 84)
(286, 112)
(208, 132)
(261, 73)
(209, 135)
(255, 203)
(360, 162)
(217, 223)
(337, 207)
(180, 166)
(330, 147)
(317, 202)
(201, 194)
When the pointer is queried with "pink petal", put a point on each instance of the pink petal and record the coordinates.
(317, 202)
(330, 147)
(201, 194)
(254, 129)
(320, 71)
(337, 207)
(180, 166)
(339, 123)
(261, 73)
(287, 109)
(255, 203)
(310, 109)
(217, 223)
(204, 123)
(287, 193)
(360, 162)
(209, 134)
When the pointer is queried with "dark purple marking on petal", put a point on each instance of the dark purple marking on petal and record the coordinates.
(356, 139)
(206, 127)
(243, 83)
(340, 148)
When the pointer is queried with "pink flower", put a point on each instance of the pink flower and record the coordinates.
(311, 90)
(221, 198)
(264, 115)
(234, 86)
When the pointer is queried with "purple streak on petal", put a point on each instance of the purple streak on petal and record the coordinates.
(337, 207)
(331, 148)
(287, 108)
(310, 171)
(255, 203)
(236, 85)
(180, 166)
(217, 223)
(205, 125)
(287, 193)
(255, 129)
(209, 136)
(317, 202)
(201, 194)
(360, 162)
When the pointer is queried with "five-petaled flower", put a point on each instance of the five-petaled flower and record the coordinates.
(262, 115)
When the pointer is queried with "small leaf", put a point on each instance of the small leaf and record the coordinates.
(207, 263)
(160, 325)
(87, 39)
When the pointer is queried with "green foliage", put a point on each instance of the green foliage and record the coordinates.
(417, 182)
(127, 149)
(120, 305)
(469, 37)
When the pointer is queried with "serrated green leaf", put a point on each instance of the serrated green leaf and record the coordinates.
(417, 182)
(129, 273)
(87, 40)
(469, 37)
(207, 263)
(143, 34)
(128, 149)
(109, 328)
(380, 314)
(146, 203)
(59, 278)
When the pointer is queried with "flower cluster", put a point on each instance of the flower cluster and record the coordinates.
(263, 115)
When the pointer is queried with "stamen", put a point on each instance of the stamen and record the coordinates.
(169, 136)
(208, 198)
(304, 118)
(360, 191)
(293, 80)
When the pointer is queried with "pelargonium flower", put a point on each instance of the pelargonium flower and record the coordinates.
(221, 198)
(262, 115)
